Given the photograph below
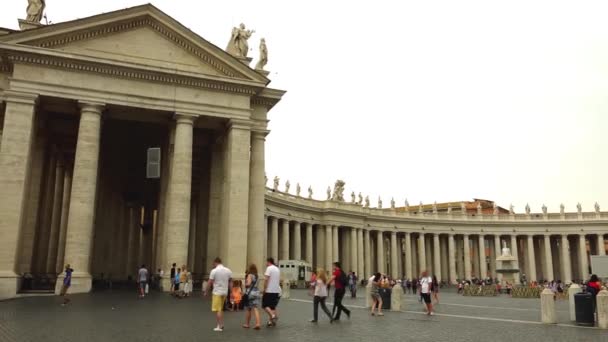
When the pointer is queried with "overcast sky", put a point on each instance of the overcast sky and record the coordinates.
(429, 100)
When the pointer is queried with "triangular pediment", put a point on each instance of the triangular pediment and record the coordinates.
(141, 35)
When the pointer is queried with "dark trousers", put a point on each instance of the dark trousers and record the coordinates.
(338, 295)
(320, 300)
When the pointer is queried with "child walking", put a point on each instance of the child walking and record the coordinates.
(236, 295)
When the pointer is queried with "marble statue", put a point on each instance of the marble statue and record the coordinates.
(435, 207)
(287, 185)
(407, 205)
(562, 209)
(353, 197)
(379, 202)
(265, 180)
(263, 55)
(276, 183)
(511, 209)
(544, 209)
(367, 201)
(298, 189)
(35, 8)
(479, 208)
(360, 200)
(329, 193)
(579, 207)
(238, 46)
(494, 208)
(527, 208)
(310, 192)
(338, 191)
(597, 207)
(420, 208)
(506, 252)
(393, 203)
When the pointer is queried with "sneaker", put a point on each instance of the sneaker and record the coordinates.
(431, 313)
(313, 321)
(218, 329)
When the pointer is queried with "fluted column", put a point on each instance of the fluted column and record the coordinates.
(367, 253)
(65, 207)
(467, 257)
(256, 224)
(531, 259)
(394, 263)
(566, 267)
(297, 241)
(284, 240)
(408, 256)
(421, 253)
(354, 259)
(274, 238)
(335, 244)
(51, 257)
(79, 236)
(497, 252)
(436, 257)
(15, 154)
(515, 253)
(360, 254)
(329, 258)
(582, 257)
(483, 265)
(380, 252)
(452, 259)
(309, 243)
(601, 246)
(548, 259)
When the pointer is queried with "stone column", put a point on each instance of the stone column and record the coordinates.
(566, 266)
(380, 252)
(354, 258)
(51, 258)
(436, 257)
(65, 208)
(15, 156)
(309, 243)
(297, 241)
(367, 253)
(421, 253)
(452, 259)
(328, 247)
(531, 259)
(601, 246)
(497, 253)
(256, 231)
(79, 236)
(335, 244)
(483, 265)
(408, 256)
(284, 240)
(515, 253)
(582, 257)
(360, 254)
(467, 257)
(274, 238)
(394, 263)
(548, 259)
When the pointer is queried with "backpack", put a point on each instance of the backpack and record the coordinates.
(343, 278)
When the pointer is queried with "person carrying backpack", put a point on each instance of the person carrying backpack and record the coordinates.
(340, 280)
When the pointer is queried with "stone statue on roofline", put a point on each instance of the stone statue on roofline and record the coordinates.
(494, 208)
(511, 209)
(35, 9)
(544, 209)
(298, 189)
(360, 199)
(238, 45)
(393, 203)
(420, 208)
(479, 208)
(579, 208)
(527, 208)
(329, 193)
(407, 205)
(263, 55)
(367, 201)
(435, 207)
(287, 186)
(597, 207)
(310, 192)
(339, 191)
(353, 198)
(562, 209)
(275, 185)
(265, 180)
(379, 202)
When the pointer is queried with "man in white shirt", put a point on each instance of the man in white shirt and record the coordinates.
(142, 280)
(272, 291)
(220, 280)
(426, 284)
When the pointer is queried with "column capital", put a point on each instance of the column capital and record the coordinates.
(259, 134)
(21, 97)
(184, 118)
(91, 107)
(239, 124)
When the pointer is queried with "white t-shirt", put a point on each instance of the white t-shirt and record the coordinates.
(425, 284)
(320, 288)
(221, 278)
(142, 275)
(274, 275)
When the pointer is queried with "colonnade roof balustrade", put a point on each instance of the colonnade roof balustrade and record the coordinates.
(289, 206)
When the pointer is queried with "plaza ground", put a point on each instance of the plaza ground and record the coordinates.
(120, 316)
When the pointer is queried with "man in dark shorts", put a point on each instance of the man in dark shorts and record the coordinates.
(272, 291)
(426, 286)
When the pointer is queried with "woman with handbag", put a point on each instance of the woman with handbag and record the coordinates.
(251, 297)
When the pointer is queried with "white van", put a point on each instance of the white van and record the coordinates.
(298, 272)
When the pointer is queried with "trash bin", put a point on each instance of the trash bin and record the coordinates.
(584, 309)
(385, 294)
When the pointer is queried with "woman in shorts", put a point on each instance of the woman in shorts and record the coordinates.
(375, 294)
(252, 293)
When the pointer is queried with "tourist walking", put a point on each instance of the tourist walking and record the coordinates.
(340, 281)
(375, 294)
(172, 279)
(272, 292)
(251, 299)
(189, 284)
(236, 295)
(219, 285)
(67, 282)
(435, 289)
(320, 295)
(426, 284)
(176, 282)
(352, 284)
(142, 280)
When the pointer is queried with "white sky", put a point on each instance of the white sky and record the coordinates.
(429, 100)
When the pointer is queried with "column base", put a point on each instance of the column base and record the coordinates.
(9, 284)
(81, 283)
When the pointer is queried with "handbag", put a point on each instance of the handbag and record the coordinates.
(245, 298)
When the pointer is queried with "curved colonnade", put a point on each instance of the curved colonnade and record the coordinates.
(453, 246)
